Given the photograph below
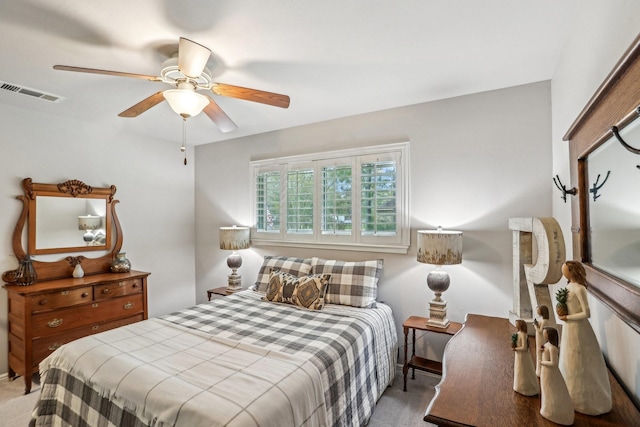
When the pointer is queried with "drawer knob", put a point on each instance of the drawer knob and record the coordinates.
(85, 294)
(54, 323)
(43, 302)
(54, 346)
(135, 285)
(105, 291)
(128, 306)
(95, 327)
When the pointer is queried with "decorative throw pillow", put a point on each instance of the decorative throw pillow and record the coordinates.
(352, 283)
(295, 266)
(305, 291)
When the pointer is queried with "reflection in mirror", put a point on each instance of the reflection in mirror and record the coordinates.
(65, 222)
(614, 206)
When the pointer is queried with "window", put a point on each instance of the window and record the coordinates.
(336, 200)
(300, 201)
(268, 202)
(378, 197)
(349, 199)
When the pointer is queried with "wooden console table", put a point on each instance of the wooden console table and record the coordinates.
(477, 384)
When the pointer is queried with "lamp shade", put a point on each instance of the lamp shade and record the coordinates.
(440, 247)
(185, 102)
(234, 238)
(89, 222)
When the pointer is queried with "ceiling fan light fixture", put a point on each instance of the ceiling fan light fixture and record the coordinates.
(185, 102)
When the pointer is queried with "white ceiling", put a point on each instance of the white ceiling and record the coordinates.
(334, 58)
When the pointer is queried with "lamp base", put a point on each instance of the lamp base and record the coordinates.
(234, 261)
(438, 281)
(235, 283)
(88, 237)
(438, 313)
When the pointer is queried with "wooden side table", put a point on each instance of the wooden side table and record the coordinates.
(218, 291)
(417, 362)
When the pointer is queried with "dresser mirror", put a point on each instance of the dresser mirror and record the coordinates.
(64, 224)
(606, 232)
(67, 217)
(70, 217)
(614, 205)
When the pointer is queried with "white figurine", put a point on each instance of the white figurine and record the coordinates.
(525, 380)
(581, 361)
(555, 400)
(543, 312)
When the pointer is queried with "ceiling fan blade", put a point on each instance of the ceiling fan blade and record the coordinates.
(192, 57)
(269, 98)
(219, 117)
(107, 72)
(143, 105)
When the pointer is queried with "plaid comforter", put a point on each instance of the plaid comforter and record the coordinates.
(353, 350)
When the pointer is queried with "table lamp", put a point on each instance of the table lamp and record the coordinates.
(89, 223)
(439, 247)
(233, 239)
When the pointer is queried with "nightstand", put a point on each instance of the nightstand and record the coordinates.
(417, 362)
(218, 291)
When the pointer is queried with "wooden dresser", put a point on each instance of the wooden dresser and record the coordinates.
(43, 316)
(477, 384)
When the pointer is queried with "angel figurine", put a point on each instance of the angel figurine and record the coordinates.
(525, 380)
(581, 360)
(543, 312)
(555, 400)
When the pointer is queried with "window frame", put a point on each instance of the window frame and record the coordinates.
(398, 243)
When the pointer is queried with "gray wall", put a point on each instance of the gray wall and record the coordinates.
(475, 162)
(154, 188)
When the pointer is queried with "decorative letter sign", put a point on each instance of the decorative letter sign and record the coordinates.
(530, 279)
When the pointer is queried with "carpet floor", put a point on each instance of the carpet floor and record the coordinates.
(395, 407)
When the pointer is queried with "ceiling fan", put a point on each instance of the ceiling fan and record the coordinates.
(188, 74)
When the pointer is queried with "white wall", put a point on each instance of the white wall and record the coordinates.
(154, 188)
(476, 161)
(600, 34)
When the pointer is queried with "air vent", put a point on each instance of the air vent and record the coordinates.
(29, 92)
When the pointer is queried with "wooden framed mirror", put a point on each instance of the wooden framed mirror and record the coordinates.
(615, 103)
(68, 217)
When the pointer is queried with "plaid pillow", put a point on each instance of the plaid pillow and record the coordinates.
(305, 291)
(351, 283)
(296, 266)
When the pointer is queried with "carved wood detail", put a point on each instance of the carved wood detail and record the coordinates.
(74, 187)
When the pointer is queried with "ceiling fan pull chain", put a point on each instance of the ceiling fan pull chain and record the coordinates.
(184, 139)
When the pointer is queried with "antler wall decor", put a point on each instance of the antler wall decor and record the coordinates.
(563, 188)
(594, 190)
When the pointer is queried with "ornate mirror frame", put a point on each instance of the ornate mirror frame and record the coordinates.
(72, 189)
(614, 104)
(64, 267)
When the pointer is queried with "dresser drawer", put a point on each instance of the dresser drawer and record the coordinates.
(46, 324)
(60, 299)
(117, 289)
(43, 347)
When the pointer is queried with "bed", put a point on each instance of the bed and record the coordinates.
(241, 360)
